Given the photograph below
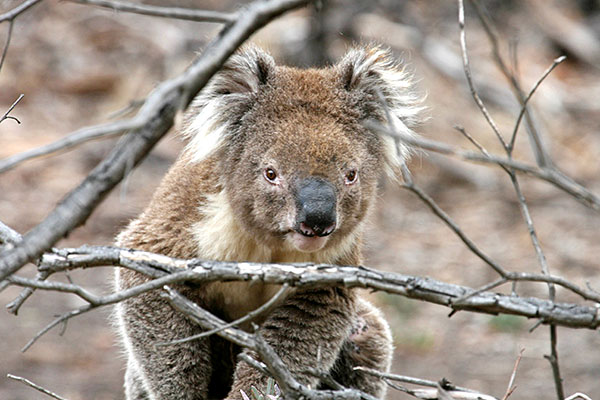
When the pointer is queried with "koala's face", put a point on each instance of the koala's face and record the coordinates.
(299, 167)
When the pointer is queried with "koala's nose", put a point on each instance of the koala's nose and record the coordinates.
(316, 203)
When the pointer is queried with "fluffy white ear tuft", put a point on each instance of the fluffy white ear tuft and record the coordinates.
(383, 88)
(224, 100)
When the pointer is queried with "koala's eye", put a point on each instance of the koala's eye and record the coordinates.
(270, 175)
(351, 177)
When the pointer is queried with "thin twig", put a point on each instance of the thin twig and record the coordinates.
(471, 139)
(35, 386)
(76, 138)
(578, 395)
(467, 68)
(555, 63)
(6, 116)
(553, 358)
(250, 316)
(549, 175)
(541, 155)
(189, 14)
(5, 50)
(511, 388)
(484, 288)
(456, 392)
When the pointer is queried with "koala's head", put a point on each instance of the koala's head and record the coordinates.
(298, 166)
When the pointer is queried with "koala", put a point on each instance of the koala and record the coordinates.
(278, 167)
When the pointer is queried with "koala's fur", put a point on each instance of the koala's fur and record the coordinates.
(279, 168)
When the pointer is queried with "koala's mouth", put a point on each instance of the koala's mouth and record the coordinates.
(306, 230)
(306, 243)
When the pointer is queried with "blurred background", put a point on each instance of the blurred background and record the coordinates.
(77, 65)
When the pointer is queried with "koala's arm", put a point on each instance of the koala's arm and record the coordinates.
(306, 331)
(166, 372)
(182, 371)
(369, 345)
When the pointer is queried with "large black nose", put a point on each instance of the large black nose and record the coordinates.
(316, 207)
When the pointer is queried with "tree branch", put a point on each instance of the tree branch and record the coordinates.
(189, 14)
(6, 116)
(167, 270)
(35, 386)
(15, 12)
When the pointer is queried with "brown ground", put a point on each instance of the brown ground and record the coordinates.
(77, 64)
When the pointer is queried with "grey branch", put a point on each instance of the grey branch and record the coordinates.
(6, 116)
(157, 115)
(35, 386)
(169, 271)
(5, 50)
(541, 156)
(15, 12)
(549, 175)
(189, 14)
(467, 68)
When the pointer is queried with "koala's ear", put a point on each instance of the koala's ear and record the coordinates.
(224, 100)
(376, 81)
(243, 73)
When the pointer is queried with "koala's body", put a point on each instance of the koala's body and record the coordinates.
(279, 168)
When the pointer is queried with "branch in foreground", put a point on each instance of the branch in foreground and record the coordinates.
(159, 110)
(309, 275)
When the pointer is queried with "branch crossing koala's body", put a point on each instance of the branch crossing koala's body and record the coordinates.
(278, 168)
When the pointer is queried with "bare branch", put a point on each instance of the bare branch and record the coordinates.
(541, 156)
(6, 116)
(410, 185)
(8, 235)
(555, 63)
(5, 50)
(467, 68)
(248, 317)
(511, 388)
(553, 359)
(189, 14)
(15, 12)
(76, 138)
(35, 386)
(309, 275)
(415, 381)
(576, 396)
(549, 175)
